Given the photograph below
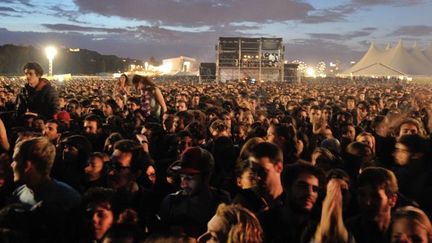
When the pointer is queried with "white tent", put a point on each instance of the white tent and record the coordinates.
(419, 54)
(428, 52)
(394, 62)
(388, 47)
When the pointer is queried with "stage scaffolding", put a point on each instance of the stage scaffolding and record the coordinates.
(260, 59)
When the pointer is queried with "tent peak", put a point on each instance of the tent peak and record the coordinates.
(388, 47)
(400, 45)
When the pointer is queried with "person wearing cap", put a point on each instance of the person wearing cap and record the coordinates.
(64, 117)
(189, 209)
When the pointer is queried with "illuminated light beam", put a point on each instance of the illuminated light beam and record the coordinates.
(50, 52)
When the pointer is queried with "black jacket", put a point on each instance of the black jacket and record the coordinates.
(43, 100)
(190, 214)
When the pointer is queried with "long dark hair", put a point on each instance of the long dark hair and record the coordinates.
(127, 81)
(142, 79)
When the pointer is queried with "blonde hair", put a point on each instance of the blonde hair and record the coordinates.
(367, 134)
(40, 151)
(415, 216)
(242, 224)
(412, 121)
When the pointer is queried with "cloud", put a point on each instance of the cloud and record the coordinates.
(327, 36)
(116, 44)
(413, 30)
(23, 2)
(373, 2)
(232, 28)
(334, 14)
(139, 42)
(199, 12)
(398, 3)
(322, 18)
(355, 34)
(9, 12)
(369, 29)
(364, 43)
(346, 36)
(341, 12)
(315, 50)
(78, 28)
(70, 15)
(198, 45)
(7, 9)
(156, 33)
(137, 32)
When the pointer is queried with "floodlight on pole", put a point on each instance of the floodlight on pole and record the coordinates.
(50, 53)
(310, 72)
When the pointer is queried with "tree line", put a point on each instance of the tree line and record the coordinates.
(86, 62)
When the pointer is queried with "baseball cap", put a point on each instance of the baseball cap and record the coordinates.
(194, 160)
(62, 116)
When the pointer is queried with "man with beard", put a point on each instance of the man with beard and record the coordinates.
(76, 112)
(189, 210)
(286, 223)
(377, 195)
(53, 130)
(94, 133)
(132, 105)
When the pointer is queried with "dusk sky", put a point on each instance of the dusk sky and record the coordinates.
(312, 30)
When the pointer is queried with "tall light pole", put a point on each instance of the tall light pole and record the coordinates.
(50, 53)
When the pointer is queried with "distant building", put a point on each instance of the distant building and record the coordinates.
(180, 66)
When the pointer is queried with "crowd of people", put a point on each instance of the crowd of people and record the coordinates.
(136, 160)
